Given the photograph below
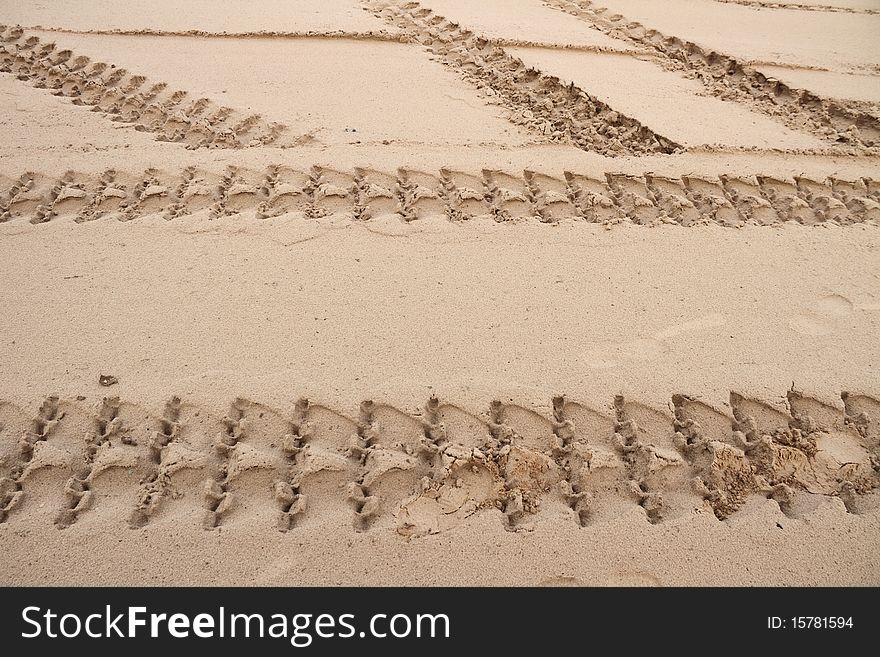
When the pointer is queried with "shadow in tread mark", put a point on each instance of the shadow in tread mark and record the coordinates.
(364, 194)
(128, 98)
(427, 472)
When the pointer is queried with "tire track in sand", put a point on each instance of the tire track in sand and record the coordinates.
(725, 77)
(424, 471)
(363, 194)
(794, 6)
(540, 102)
(173, 115)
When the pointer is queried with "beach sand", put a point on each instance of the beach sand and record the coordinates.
(362, 292)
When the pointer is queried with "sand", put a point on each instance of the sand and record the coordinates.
(837, 41)
(450, 293)
(643, 90)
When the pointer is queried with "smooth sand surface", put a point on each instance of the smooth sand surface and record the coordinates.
(204, 15)
(449, 293)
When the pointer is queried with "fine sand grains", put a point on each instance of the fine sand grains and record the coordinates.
(441, 292)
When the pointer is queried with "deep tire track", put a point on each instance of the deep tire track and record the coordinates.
(837, 121)
(424, 471)
(363, 194)
(540, 102)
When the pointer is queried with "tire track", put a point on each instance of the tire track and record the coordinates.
(156, 484)
(540, 102)
(366, 506)
(760, 4)
(342, 35)
(288, 494)
(423, 472)
(128, 98)
(371, 35)
(725, 77)
(410, 195)
(77, 491)
(20, 439)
